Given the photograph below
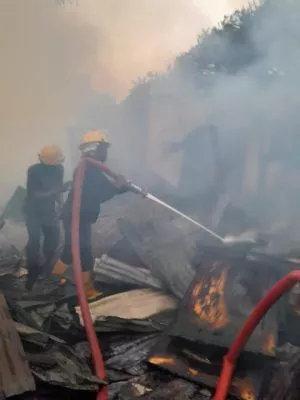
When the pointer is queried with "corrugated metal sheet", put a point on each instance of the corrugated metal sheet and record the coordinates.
(109, 270)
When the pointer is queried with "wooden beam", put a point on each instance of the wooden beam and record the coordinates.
(15, 374)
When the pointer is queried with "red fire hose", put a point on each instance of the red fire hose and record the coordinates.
(87, 319)
(257, 314)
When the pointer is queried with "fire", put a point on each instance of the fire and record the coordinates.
(269, 345)
(247, 394)
(246, 390)
(193, 372)
(209, 302)
(162, 361)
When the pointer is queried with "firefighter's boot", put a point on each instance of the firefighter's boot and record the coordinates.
(89, 288)
(59, 270)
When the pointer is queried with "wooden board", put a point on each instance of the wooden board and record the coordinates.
(134, 304)
(15, 374)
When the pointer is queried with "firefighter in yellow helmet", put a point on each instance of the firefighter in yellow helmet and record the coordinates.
(44, 188)
(96, 189)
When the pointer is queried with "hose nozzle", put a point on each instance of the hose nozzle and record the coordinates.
(137, 189)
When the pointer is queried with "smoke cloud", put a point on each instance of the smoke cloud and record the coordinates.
(140, 36)
(256, 110)
(45, 54)
(136, 37)
(54, 53)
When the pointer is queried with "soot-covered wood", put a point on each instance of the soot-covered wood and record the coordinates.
(15, 374)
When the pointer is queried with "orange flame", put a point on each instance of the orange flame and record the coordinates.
(211, 306)
(247, 394)
(246, 389)
(269, 345)
(162, 361)
(193, 371)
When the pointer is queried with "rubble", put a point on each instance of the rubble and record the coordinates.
(214, 308)
(15, 375)
(284, 384)
(159, 338)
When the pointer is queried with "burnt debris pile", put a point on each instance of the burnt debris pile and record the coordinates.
(173, 302)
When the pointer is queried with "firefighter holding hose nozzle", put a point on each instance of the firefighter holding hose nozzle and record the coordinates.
(96, 189)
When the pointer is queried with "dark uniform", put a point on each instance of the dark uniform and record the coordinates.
(96, 189)
(44, 183)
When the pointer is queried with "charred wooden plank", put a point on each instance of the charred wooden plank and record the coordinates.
(158, 386)
(155, 323)
(130, 357)
(134, 304)
(283, 383)
(15, 374)
(163, 249)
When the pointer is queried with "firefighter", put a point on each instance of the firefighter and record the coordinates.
(96, 189)
(44, 189)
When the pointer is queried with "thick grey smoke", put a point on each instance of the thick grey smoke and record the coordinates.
(261, 105)
(140, 36)
(255, 109)
(52, 50)
(45, 53)
(136, 37)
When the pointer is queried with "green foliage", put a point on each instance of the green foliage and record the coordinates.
(234, 46)
(226, 48)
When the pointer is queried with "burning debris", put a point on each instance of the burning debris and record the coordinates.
(175, 314)
(226, 287)
(173, 311)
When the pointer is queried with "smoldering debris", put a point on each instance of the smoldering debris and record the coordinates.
(150, 320)
(146, 345)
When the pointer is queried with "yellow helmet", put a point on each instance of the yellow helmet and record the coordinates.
(93, 137)
(51, 155)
